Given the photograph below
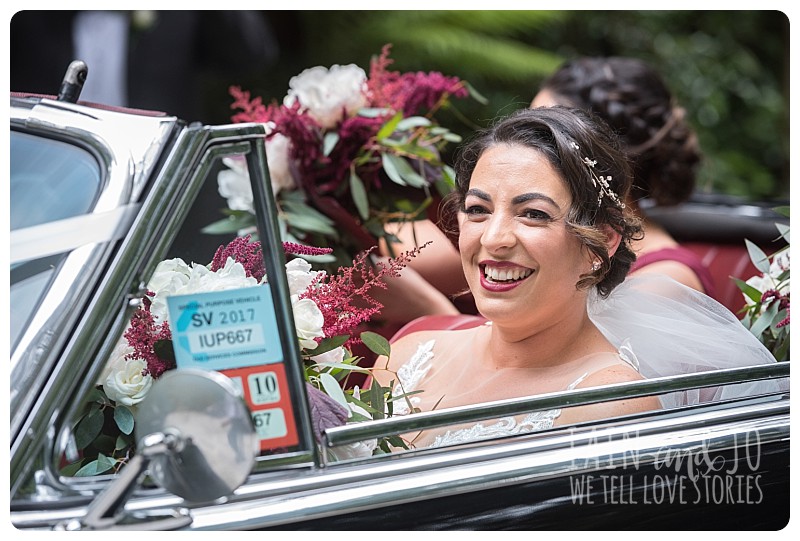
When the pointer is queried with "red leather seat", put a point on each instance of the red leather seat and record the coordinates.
(726, 261)
(439, 322)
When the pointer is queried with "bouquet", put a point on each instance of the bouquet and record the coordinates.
(327, 310)
(766, 312)
(347, 153)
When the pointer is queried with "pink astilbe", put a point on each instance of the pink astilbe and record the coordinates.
(253, 110)
(339, 295)
(292, 248)
(411, 93)
(243, 251)
(142, 335)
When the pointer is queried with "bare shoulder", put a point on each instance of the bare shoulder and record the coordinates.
(616, 373)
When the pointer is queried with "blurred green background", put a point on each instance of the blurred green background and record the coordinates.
(729, 69)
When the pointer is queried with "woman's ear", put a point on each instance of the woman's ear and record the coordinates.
(612, 239)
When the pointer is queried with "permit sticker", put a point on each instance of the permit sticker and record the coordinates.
(225, 329)
(235, 332)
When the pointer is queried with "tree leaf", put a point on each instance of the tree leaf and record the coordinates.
(124, 419)
(376, 343)
(359, 193)
(390, 166)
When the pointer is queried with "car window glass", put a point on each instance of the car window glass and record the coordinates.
(103, 438)
(50, 180)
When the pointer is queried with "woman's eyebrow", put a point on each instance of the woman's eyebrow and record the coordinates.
(480, 194)
(524, 198)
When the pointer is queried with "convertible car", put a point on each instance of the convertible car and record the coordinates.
(100, 195)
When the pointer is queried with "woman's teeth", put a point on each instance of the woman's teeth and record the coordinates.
(506, 275)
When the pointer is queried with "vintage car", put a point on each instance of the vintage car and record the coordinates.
(100, 195)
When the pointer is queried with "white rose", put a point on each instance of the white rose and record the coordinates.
(126, 383)
(299, 276)
(278, 161)
(234, 185)
(328, 94)
(169, 277)
(231, 276)
(308, 321)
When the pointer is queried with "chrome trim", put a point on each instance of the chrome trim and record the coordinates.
(68, 374)
(591, 395)
(294, 496)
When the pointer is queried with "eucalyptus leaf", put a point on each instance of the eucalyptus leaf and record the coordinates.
(231, 224)
(480, 98)
(377, 403)
(752, 293)
(344, 366)
(298, 206)
(89, 428)
(376, 343)
(329, 142)
(96, 467)
(783, 229)
(329, 343)
(402, 170)
(766, 320)
(388, 128)
(373, 112)
(333, 390)
(757, 256)
(309, 223)
(359, 193)
(413, 122)
(124, 419)
(390, 166)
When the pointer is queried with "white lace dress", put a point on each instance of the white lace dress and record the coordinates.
(411, 374)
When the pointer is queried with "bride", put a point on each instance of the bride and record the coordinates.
(544, 239)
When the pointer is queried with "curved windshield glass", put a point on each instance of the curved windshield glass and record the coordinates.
(50, 180)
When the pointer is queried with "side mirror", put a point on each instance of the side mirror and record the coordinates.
(195, 435)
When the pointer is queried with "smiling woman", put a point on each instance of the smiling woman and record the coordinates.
(544, 237)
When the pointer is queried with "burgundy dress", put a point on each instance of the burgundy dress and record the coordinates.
(681, 255)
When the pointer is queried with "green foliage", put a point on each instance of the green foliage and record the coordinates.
(729, 69)
(766, 313)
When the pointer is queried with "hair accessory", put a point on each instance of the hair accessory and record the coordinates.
(600, 182)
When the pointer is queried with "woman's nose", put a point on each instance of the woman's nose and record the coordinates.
(498, 234)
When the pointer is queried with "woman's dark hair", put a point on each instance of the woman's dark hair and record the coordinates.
(554, 131)
(634, 100)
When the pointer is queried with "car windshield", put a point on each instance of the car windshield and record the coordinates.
(50, 180)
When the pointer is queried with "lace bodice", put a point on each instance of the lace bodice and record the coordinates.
(411, 374)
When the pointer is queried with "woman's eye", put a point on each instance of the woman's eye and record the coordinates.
(535, 214)
(475, 210)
